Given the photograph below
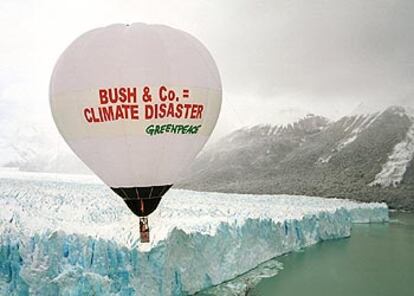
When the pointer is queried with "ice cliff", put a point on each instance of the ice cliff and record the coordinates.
(73, 236)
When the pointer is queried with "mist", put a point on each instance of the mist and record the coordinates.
(279, 60)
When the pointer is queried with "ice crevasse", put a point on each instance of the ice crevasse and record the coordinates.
(57, 240)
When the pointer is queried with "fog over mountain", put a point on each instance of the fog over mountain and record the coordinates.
(365, 156)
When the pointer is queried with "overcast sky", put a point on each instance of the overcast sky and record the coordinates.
(278, 59)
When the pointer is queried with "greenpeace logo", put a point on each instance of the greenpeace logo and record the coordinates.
(156, 129)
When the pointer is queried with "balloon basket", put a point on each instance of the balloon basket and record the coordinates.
(144, 229)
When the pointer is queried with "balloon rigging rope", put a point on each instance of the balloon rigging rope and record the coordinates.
(126, 196)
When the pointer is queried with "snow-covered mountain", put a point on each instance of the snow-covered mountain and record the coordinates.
(367, 155)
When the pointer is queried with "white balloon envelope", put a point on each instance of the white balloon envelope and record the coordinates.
(136, 103)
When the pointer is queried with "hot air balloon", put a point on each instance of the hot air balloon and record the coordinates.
(136, 103)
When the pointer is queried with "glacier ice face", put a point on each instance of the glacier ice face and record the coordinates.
(71, 236)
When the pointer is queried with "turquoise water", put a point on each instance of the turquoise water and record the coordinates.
(378, 259)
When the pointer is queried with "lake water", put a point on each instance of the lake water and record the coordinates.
(378, 259)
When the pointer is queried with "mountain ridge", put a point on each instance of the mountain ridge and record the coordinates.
(364, 156)
(340, 158)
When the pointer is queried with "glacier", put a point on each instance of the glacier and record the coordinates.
(70, 235)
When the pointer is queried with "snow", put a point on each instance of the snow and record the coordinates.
(325, 159)
(359, 124)
(393, 170)
(70, 234)
(353, 127)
